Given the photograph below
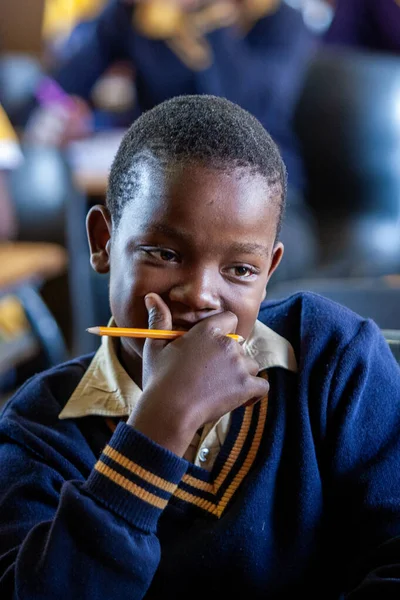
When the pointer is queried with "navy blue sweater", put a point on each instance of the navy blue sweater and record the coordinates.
(303, 500)
(262, 72)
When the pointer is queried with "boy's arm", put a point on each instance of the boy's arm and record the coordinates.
(362, 458)
(75, 539)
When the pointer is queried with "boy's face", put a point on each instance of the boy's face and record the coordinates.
(202, 239)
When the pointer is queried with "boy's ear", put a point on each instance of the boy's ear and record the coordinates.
(277, 254)
(98, 227)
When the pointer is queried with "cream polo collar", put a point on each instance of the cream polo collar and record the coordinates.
(107, 390)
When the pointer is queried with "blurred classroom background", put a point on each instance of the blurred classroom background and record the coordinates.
(322, 76)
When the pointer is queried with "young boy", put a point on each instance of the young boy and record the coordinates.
(269, 469)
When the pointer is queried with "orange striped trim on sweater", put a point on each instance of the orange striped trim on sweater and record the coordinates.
(134, 489)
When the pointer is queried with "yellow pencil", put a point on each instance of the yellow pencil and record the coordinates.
(155, 334)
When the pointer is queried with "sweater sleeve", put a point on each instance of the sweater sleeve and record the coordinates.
(102, 46)
(92, 539)
(363, 460)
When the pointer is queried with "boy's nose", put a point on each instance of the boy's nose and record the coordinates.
(198, 292)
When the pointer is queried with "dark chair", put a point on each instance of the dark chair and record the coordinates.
(25, 268)
(41, 188)
(392, 337)
(377, 298)
(50, 208)
(348, 124)
(19, 76)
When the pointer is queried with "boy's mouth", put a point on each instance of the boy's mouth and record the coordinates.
(181, 326)
(190, 321)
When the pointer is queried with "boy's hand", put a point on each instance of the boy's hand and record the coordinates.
(193, 380)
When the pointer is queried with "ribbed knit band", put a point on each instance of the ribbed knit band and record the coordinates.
(135, 477)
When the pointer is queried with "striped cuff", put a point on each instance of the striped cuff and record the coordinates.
(135, 477)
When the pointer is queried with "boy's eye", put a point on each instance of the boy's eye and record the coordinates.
(162, 254)
(243, 271)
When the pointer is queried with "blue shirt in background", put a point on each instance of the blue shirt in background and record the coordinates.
(262, 70)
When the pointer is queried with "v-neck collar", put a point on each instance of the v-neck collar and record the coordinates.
(212, 490)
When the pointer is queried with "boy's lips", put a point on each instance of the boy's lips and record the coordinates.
(185, 325)
(182, 326)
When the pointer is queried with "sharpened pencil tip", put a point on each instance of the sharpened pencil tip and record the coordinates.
(95, 330)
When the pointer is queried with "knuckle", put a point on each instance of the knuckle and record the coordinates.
(264, 388)
(243, 379)
(155, 318)
(211, 328)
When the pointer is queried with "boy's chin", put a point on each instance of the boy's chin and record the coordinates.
(132, 348)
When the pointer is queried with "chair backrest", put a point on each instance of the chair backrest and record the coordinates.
(41, 188)
(348, 124)
(19, 77)
(392, 337)
(375, 298)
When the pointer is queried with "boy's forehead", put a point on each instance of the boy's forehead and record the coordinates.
(199, 195)
(158, 183)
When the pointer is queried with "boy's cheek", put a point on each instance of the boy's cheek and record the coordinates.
(129, 284)
(128, 310)
(246, 308)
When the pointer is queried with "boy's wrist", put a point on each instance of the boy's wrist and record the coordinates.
(135, 478)
(168, 430)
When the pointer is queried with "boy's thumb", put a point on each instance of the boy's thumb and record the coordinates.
(159, 313)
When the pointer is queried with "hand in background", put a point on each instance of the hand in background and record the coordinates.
(59, 123)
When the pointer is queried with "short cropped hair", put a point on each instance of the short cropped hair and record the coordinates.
(203, 129)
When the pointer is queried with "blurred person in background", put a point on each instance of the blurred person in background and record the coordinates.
(366, 24)
(60, 19)
(253, 52)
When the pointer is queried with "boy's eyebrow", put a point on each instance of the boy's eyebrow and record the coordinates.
(238, 247)
(250, 248)
(166, 230)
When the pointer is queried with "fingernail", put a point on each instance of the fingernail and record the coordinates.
(149, 302)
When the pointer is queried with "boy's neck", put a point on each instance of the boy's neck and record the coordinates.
(132, 366)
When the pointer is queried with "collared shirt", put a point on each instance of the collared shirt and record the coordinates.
(107, 390)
